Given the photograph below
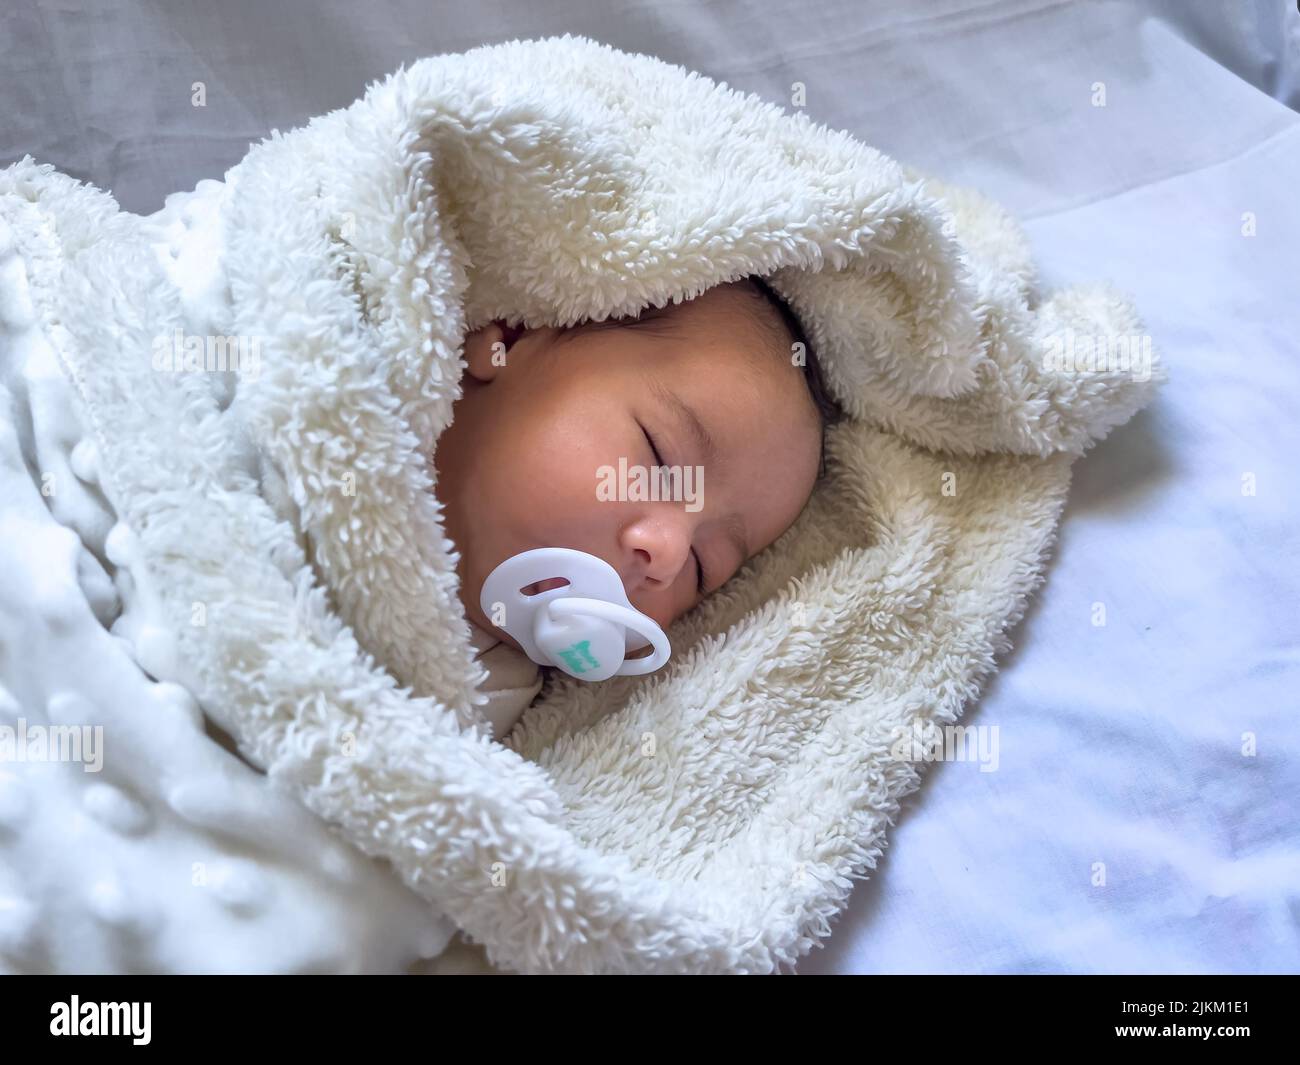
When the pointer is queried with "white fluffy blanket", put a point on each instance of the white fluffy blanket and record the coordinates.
(267, 546)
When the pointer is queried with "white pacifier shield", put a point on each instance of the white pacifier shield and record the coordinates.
(586, 627)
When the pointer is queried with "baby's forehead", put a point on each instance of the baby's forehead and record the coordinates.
(722, 313)
(721, 301)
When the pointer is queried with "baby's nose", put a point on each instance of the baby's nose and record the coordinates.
(659, 569)
(657, 546)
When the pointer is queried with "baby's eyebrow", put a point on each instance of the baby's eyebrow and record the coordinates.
(687, 416)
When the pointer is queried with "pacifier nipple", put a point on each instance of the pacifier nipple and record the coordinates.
(577, 617)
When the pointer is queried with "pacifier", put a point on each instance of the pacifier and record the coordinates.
(586, 627)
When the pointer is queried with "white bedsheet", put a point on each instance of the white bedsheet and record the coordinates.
(1118, 744)
(1121, 745)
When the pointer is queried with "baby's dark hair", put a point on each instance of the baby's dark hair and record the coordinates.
(786, 335)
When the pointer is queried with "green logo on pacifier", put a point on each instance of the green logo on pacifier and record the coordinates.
(578, 657)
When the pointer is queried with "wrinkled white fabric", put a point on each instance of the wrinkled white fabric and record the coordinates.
(712, 816)
(172, 853)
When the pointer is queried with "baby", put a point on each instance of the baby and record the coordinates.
(725, 383)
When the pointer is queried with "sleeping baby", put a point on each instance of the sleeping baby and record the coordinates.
(724, 384)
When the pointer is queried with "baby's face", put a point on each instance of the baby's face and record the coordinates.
(520, 466)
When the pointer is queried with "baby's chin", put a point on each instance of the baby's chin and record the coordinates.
(506, 638)
(532, 589)
(475, 612)
(476, 616)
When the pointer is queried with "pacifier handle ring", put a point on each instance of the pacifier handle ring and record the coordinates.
(629, 619)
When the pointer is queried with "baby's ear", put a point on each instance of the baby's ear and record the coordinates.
(486, 349)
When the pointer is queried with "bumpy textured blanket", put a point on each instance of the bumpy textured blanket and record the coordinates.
(259, 551)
